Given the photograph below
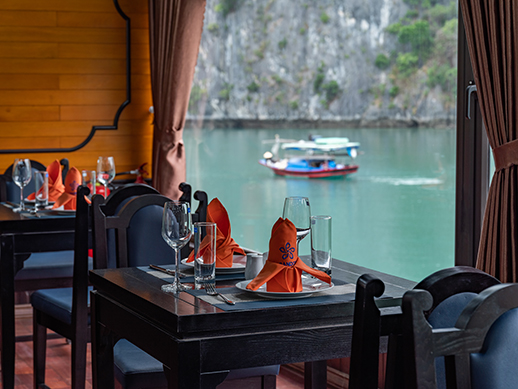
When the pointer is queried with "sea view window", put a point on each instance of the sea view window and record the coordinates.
(383, 74)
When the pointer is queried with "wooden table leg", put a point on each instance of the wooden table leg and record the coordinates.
(102, 349)
(315, 375)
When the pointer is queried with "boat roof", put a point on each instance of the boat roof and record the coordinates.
(322, 144)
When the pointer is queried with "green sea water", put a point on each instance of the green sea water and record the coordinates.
(396, 214)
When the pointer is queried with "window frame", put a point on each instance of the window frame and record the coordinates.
(473, 162)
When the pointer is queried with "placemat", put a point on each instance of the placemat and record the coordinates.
(341, 292)
(189, 272)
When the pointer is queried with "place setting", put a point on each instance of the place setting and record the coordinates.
(276, 277)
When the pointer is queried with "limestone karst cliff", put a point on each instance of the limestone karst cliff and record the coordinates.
(358, 62)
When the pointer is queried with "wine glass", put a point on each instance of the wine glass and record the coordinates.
(176, 231)
(105, 172)
(297, 210)
(22, 174)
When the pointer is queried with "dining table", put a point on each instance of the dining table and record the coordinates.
(199, 339)
(21, 234)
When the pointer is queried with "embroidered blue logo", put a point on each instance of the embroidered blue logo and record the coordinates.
(73, 187)
(287, 251)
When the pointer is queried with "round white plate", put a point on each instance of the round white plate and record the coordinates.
(237, 267)
(33, 201)
(308, 288)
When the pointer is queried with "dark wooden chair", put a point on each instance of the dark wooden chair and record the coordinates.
(65, 310)
(41, 270)
(138, 242)
(451, 290)
(479, 349)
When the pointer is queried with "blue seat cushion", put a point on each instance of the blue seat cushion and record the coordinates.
(56, 303)
(445, 315)
(52, 264)
(495, 366)
(136, 369)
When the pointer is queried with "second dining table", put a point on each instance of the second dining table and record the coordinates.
(199, 338)
(22, 234)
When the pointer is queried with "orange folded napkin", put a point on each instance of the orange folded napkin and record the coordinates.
(225, 245)
(282, 271)
(68, 198)
(56, 187)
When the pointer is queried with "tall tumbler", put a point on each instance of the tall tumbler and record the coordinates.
(204, 254)
(321, 243)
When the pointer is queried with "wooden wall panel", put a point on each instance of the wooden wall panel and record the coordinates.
(62, 71)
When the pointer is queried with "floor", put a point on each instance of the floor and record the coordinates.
(58, 361)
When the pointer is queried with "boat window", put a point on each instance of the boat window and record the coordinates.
(353, 106)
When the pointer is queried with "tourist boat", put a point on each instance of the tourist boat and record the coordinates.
(316, 159)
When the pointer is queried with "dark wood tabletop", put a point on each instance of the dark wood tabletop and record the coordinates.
(129, 303)
(21, 235)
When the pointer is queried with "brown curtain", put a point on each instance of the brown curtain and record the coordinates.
(175, 28)
(492, 35)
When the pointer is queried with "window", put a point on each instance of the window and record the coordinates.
(385, 77)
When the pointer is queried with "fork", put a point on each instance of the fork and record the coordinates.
(211, 291)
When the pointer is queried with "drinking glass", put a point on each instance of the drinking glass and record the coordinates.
(41, 190)
(105, 172)
(88, 179)
(22, 174)
(321, 243)
(204, 256)
(297, 210)
(176, 231)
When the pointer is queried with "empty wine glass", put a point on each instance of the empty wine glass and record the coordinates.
(297, 210)
(105, 172)
(22, 174)
(176, 231)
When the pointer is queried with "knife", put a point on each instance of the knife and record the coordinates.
(167, 271)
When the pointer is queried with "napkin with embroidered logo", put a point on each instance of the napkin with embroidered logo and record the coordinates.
(282, 271)
(225, 245)
(68, 198)
(56, 187)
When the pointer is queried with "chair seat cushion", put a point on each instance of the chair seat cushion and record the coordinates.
(136, 369)
(56, 303)
(52, 264)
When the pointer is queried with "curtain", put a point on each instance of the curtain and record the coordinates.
(175, 28)
(492, 36)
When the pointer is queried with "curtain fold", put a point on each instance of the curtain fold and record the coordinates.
(175, 28)
(492, 36)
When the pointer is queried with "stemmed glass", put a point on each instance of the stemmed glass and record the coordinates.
(105, 172)
(297, 210)
(22, 174)
(176, 231)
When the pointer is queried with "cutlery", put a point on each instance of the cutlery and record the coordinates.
(167, 271)
(211, 291)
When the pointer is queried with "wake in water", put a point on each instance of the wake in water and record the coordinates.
(410, 181)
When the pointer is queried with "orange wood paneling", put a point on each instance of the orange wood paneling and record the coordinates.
(62, 71)
(28, 81)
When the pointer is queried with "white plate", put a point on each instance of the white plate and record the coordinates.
(33, 201)
(309, 286)
(238, 266)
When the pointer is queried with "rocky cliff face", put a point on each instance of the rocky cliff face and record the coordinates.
(325, 61)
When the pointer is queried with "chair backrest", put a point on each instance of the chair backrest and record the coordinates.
(106, 256)
(451, 290)
(80, 272)
(480, 349)
(137, 227)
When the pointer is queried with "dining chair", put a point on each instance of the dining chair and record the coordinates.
(65, 310)
(451, 290)
(40, 270)
(479, 349)
(138, 242)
